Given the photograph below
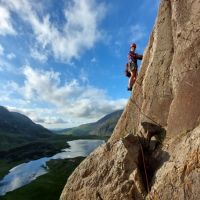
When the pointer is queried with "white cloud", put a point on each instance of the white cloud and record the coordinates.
(83, 76)
(1, 50)
(42, 57)
(45, 86)
(8, 93)
(80, 31)
(137, 33)
(51, 120)
(37, 115)
(71, 99)
(11, 56)
(48, 117)
(6, 66)
(5, 22)
(93, 60)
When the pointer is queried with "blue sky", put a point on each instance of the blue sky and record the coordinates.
(62, 62)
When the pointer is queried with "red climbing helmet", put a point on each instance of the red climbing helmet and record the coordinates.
(133, 45)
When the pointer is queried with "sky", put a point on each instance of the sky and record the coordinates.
(62, 62)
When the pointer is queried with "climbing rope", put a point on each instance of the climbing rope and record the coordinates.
(138, 137)
(140, 110)
(144, 165)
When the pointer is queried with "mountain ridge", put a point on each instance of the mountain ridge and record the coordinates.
(18, 123)
(102, 127)
(17, 130)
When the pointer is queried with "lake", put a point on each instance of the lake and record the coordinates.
(24, 173)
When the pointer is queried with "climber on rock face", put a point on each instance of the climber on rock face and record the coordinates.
(131, 66)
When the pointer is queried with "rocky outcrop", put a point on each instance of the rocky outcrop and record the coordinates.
(179, 177)
(166, 97)
(116, 177)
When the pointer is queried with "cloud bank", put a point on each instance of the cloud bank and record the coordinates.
(78, 33)
(6, 26)
(72, 100)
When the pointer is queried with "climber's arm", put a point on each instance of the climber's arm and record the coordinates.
(139, 57)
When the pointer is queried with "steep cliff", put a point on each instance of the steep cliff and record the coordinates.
(165, 103)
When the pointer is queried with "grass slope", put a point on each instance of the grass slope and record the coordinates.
(80, 130)
(103, 127)
(18, 130)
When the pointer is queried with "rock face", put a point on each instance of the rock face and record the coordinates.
(167, 97)
(115, 177)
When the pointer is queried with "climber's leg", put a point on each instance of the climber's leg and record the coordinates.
(132, 79)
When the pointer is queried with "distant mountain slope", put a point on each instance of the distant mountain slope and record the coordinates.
(103, 127)
(17, 123)
(106, 125)
(17, 129)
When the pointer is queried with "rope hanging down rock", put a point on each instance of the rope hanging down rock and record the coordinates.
(144, 165)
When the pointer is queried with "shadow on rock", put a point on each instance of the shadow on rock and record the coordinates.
(151, 156)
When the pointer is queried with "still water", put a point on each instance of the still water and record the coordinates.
(25, 173)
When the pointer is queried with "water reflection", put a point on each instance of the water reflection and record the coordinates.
(27, 172)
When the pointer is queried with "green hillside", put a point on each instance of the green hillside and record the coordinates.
(103, 127)
(106, 125)
(17, 130)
